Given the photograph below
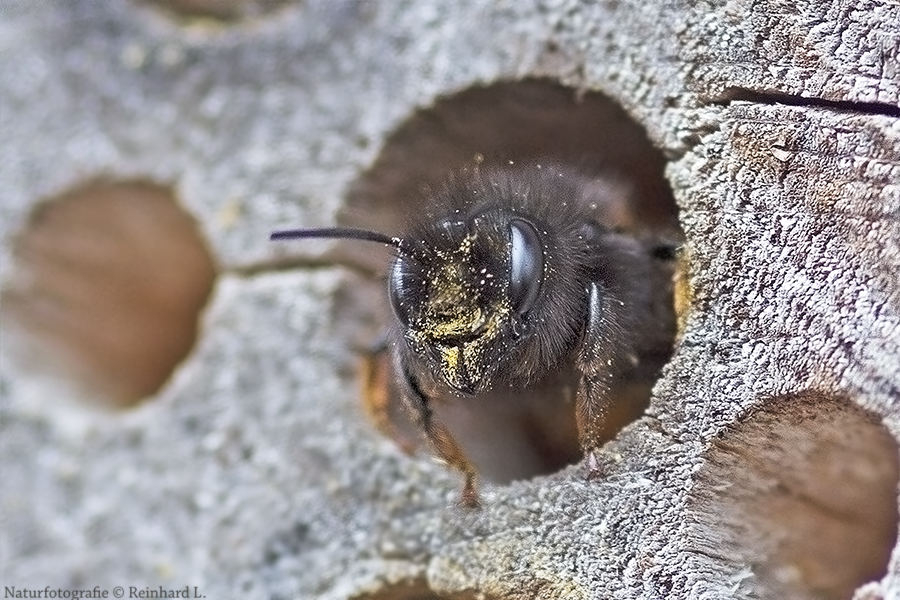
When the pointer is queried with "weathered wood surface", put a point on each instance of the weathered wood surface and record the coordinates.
(767, 463)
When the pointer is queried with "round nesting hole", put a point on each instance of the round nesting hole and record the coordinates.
(418, 590)
(223, 10)
(528, 138)
(108, 284)
(801, 498)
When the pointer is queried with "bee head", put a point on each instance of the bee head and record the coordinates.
(462, 289)
(465, 294)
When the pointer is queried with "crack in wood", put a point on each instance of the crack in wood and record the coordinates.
(739, 94)
(296, 263)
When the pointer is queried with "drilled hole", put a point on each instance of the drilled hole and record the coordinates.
(524, 122)
(801, 498)
(501, 128)
(108, 284)
(224, 10)
(418, 590)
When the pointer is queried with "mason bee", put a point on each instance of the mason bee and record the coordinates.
(515, 276)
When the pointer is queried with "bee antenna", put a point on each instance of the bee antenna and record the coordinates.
(345, 233)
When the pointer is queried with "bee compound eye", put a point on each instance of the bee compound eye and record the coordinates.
(399, 291)
(526, 265)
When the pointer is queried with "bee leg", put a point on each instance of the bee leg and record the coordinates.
(376, 397)
(449, 451)
(596, 362)
(442, 441)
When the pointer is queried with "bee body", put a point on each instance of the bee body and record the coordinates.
(513, 277)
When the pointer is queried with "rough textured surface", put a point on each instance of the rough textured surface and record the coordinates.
(252, 473)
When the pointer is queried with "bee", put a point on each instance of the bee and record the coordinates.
(512, 277)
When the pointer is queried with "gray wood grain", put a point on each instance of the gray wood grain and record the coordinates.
(767, 463)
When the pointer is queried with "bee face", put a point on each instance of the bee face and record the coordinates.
(465, 298)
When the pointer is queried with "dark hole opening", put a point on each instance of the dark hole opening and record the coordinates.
(222, 10)
(524, 123)
(109, 281)
(418, 590)
(801, 498)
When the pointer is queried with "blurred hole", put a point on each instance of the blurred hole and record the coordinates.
(527, 122)
(803, 496)
(108, 284)
(225, 10)
(417, 590)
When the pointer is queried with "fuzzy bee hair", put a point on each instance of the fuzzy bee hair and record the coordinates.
(508, 276)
